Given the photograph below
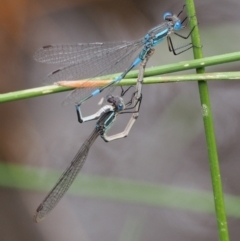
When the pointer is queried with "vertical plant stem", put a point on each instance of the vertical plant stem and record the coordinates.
(209, 130)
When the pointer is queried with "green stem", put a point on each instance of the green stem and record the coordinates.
(181, 66)
(209, 130)
(40, 91)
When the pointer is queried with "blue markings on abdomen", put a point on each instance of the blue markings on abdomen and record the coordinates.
(136, 62)
(120, 77)
(117, 78)
(95, 92)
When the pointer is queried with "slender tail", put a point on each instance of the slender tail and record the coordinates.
(66, 179)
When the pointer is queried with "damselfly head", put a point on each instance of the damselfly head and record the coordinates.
(116, 101)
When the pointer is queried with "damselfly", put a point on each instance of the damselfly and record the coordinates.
(106, 117)
(88, 60)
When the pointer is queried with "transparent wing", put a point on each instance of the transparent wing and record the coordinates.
(75, 53)
(119, 62)
(92, 67)
(66, 179)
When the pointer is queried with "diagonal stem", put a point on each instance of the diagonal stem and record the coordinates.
(170, 68)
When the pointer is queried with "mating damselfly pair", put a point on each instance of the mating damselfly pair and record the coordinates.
(89, 60)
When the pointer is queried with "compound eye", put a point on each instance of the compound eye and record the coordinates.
(177, 25)
(167, 16)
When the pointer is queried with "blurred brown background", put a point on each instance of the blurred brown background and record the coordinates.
(166, 145)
